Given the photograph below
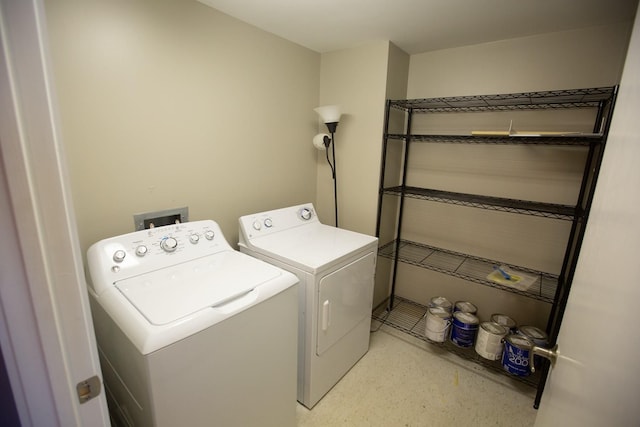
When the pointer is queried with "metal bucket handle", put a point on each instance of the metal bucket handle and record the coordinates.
(447, 324)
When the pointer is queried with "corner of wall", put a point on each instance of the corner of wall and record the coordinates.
(397, 72)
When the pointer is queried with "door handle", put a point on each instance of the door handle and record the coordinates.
(547, 353)
(326, 315)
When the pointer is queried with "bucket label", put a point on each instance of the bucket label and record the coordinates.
(515, 358)
(489, 342)
(464, 329)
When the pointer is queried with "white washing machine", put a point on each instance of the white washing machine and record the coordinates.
(192, 332)
(336, 272)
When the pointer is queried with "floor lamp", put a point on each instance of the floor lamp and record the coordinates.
(330, 115)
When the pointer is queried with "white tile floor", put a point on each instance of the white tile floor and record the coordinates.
(404, 381)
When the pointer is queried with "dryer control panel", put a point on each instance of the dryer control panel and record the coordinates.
(148, 250)
(269, 222)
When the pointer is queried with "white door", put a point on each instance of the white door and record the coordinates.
(344, 300)
(46, 337)
(596, 379)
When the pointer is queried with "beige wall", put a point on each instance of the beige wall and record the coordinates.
(169, 104)
(573, 59)
(356, 80)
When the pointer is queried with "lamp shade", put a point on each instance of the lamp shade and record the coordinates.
(329, 113)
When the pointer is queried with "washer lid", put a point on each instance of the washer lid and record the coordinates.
(174, 292)
(312, 247)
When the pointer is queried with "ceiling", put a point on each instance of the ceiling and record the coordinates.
(418, 26)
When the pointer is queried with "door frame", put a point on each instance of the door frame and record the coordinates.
(46, 334)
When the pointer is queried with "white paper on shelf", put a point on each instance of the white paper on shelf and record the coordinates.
(513, 132)
(517, 280)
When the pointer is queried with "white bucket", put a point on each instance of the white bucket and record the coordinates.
(504, 320)
(489, 342)
(438, 321)
(441, 302)
(465, 307)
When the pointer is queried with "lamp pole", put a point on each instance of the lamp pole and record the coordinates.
(332, 128)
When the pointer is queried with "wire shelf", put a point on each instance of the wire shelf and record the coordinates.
(468, 267)
(409, 317)
(571, 98)
(525, 207)
(575, 140)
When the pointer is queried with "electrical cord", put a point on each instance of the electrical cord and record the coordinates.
(333, 172)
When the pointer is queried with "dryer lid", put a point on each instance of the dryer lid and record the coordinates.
(171, 293)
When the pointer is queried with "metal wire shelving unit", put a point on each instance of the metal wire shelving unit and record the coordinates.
(548, 288)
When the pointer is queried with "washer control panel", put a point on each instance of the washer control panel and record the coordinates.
(265, 223)
(155, 248)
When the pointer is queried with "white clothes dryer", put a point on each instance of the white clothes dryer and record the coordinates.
(192, 332)
(336, 269)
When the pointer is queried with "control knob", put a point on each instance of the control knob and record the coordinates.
(141, 250)
(118, 256)
(209, 234)
(268, 223)
(169, 244)
(305, 213)
(194, 238)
